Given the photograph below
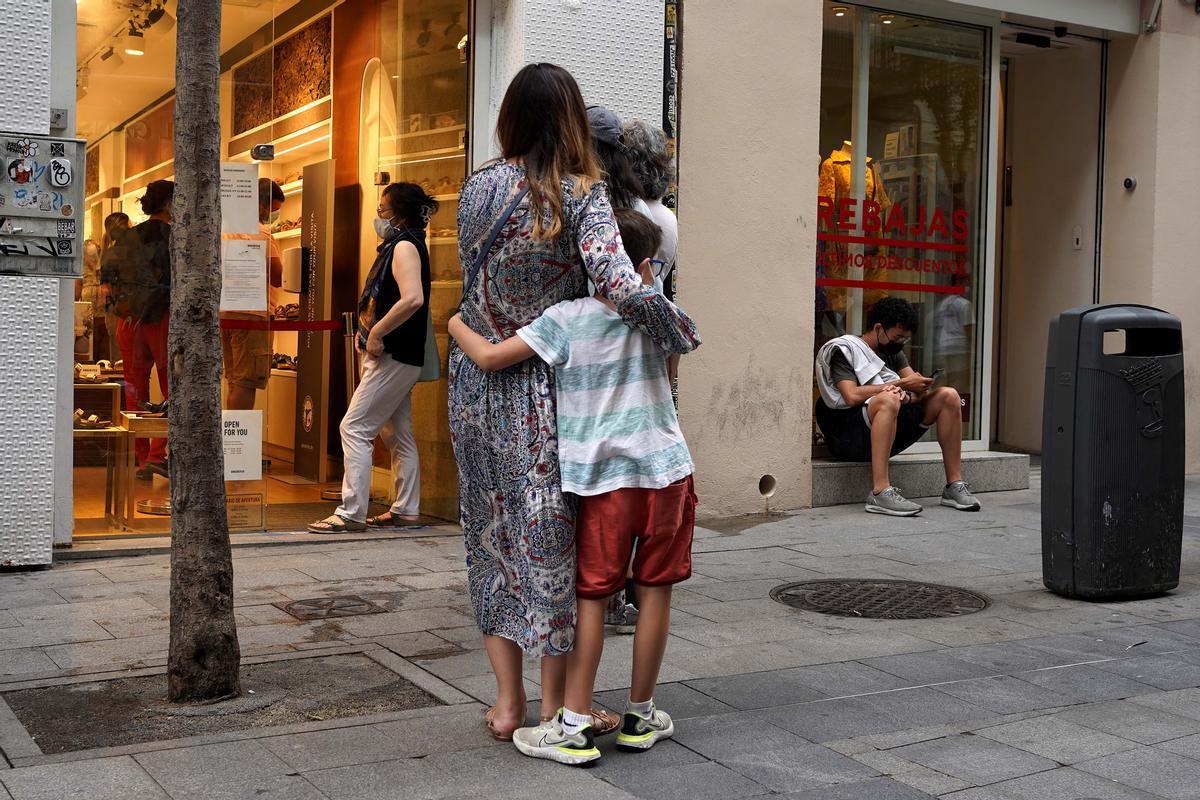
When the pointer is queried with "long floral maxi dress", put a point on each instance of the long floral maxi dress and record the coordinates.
(518, 524)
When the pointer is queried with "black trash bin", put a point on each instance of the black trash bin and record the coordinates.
(1113, 453)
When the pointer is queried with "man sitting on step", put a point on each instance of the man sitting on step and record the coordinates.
(874, 405)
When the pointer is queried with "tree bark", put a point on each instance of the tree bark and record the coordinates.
(204, 654)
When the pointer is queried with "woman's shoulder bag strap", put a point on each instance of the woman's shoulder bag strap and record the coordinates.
(491, 240)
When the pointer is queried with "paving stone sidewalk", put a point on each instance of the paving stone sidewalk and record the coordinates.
(1035, 697)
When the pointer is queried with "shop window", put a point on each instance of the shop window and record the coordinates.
(904, 107)
(391, 107)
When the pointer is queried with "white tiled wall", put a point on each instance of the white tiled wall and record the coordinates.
(29, 324)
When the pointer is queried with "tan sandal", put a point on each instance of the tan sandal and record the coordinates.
(489, 720)
(335, 524)
(603, 722)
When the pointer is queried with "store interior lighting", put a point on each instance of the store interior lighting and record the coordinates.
(133, 43)
(839, 11)
(887, 19)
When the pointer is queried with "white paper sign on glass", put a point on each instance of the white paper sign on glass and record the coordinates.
(239, 197)
(243, 275)
(241, 435)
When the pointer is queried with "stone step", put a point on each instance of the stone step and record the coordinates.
(919, 475)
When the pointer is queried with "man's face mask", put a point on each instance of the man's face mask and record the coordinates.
(890, 346)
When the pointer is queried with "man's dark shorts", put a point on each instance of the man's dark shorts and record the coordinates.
(849, 437)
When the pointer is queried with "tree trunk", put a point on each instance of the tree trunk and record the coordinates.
(204, 655)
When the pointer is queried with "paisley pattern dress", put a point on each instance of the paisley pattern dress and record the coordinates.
(518, 524)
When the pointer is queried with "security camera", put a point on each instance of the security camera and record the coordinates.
(1130, 183)
(263, 152)
(1060, 31)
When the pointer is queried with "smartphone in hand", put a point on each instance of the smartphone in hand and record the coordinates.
(937, 375)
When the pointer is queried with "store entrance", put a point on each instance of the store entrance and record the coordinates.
(323, 104)
(1048, 260)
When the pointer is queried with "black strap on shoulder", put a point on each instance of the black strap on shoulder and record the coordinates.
(491, 240)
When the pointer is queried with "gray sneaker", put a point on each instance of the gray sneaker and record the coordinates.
(958, 495)
(892, 503)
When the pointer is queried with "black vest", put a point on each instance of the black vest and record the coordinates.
(406, 344)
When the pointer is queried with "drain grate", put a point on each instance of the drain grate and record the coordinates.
(348, 605)
(880, 599)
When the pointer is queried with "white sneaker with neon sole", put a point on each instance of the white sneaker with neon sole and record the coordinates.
(551, 742)
(641, 733)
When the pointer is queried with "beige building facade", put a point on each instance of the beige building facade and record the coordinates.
(1022, 158)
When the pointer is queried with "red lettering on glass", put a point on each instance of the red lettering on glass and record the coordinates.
(871, 222)
(846, 212)
(938, 223)
(825, 212)
(961, 221)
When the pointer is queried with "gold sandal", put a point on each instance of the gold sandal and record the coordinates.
(489, 718)
(603, 722)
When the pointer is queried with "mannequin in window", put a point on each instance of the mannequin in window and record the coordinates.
(834, 178)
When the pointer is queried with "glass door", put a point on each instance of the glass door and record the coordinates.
(422, 124)
(902, 200)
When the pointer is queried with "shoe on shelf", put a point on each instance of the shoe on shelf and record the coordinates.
(892, 503)
(551, 742)
(640, 733)
(958, 495)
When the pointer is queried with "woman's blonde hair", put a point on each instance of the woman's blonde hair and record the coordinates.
(544, 122)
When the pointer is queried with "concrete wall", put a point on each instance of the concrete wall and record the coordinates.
(36, 308)
(750, 87)
(1053, 112)
(1151, 236)
(614, 48)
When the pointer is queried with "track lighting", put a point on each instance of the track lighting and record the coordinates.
(134, 43)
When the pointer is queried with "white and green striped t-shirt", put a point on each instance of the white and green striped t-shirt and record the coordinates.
(617, 427)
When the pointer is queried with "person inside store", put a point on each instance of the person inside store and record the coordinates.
(393, 322)
(247, 352)
(136, 270)
(87, 290)
(954, 331)
(646, 146)
(874, 405)
(114, 223)
(534, 226)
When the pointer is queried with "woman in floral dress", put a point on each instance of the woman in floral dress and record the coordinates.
(519, 527)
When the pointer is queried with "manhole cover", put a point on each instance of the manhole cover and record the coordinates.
(880, 599)
(329, 607)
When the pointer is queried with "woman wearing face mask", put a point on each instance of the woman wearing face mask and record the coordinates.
(393, 314)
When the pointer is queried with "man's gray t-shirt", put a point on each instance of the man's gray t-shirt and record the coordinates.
(840, 369)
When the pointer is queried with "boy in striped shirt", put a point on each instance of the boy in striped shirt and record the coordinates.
(622, 453)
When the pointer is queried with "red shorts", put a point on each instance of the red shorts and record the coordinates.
(662, 520)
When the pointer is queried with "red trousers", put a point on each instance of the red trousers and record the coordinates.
(143, 347)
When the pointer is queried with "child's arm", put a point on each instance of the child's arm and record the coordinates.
(490, 357)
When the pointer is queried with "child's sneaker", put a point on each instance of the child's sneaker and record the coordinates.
(641, 733)
(550, 741)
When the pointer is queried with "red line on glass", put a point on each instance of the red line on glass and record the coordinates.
(846, 239)
(931, 288)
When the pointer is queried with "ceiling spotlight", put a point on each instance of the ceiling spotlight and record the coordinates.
(134, 43)
(839, 11)
(155, 14)
(887, 19)
(111, 58)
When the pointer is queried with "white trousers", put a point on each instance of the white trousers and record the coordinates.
(381, 403)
